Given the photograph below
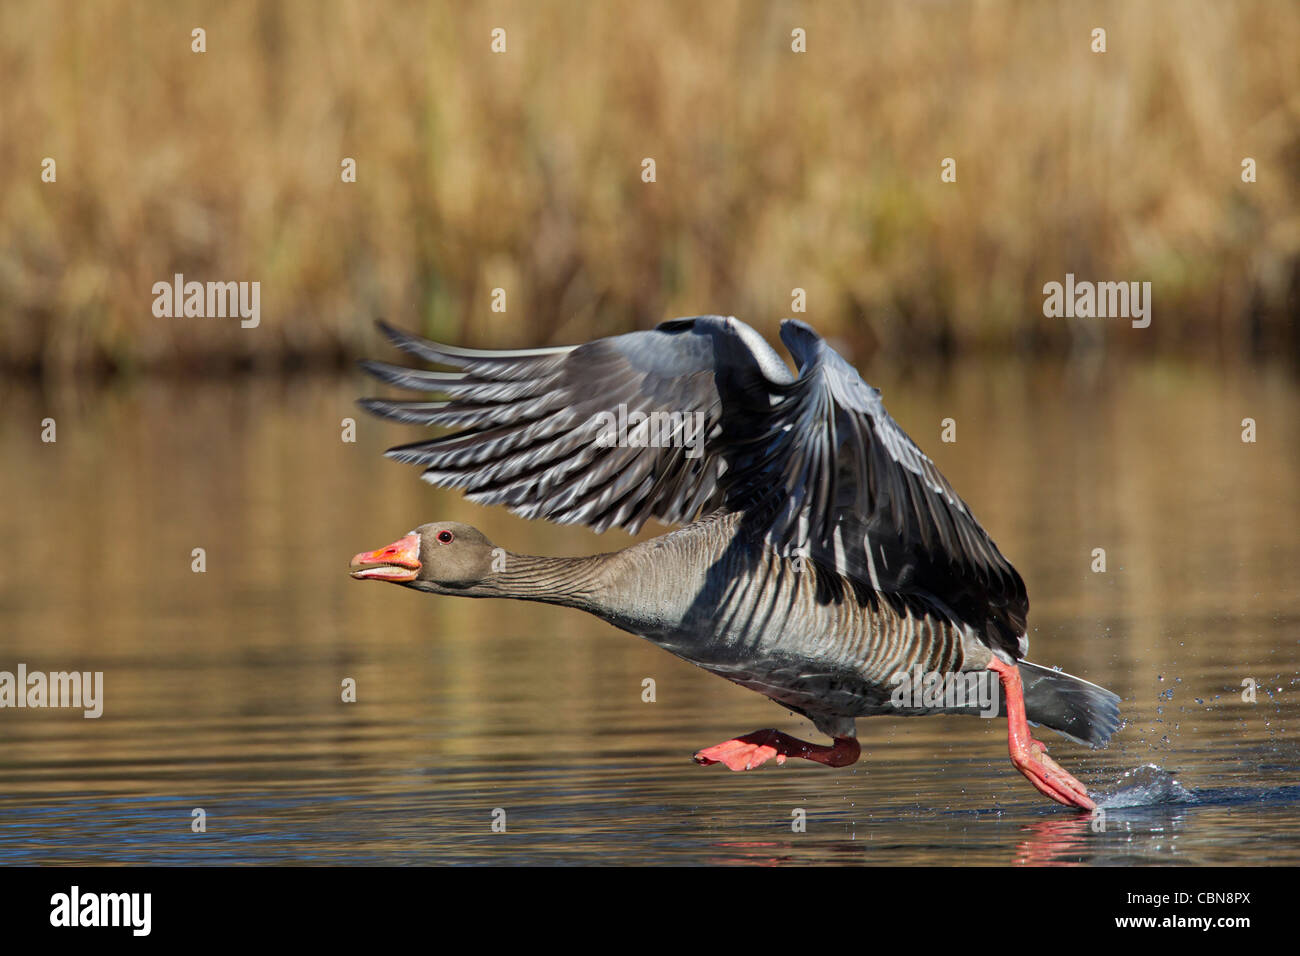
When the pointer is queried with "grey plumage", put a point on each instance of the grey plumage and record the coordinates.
(823, 550)
(813, 460)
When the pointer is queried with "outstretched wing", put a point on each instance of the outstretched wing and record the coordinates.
(534, 426)
(836, 473)
(704, 415)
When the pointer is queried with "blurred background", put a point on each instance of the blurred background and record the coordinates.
(522, 171)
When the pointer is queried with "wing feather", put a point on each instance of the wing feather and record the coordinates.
(812, 459)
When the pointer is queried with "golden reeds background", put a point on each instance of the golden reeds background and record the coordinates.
(522, 171)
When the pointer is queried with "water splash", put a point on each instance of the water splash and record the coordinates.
(1146, 786)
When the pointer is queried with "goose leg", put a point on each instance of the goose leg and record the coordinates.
(753, 750)
(1028, 755)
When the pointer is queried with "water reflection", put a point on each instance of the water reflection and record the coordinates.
(223, 687)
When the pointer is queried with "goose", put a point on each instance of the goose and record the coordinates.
(820, 558)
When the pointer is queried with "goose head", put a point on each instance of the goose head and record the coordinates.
(441, 555)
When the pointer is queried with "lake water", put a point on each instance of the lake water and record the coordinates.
(222, 688)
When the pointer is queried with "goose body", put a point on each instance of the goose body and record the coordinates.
(822, 558)
(762, 620)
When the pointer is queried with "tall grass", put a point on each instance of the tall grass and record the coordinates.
(522, 171)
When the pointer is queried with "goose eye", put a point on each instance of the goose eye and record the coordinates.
(446, 537)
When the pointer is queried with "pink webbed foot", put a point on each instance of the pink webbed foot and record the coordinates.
(754, 750)
(742, 753)
(1050, 777)
(1028, 755)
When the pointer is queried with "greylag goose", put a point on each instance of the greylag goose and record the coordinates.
(822, 559)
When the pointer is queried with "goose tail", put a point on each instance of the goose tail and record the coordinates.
(1083, 712)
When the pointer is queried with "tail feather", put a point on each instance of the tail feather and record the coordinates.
(1083, 712)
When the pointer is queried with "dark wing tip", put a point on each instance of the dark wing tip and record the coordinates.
(375, 406)
(390, 332)
(375, 368)
(802, 340)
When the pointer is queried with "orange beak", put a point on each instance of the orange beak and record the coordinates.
(400, 561)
